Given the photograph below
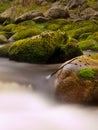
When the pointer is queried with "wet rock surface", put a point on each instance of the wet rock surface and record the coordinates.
(71, 88)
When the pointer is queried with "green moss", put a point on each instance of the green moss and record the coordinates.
(86, 73)
(78, 29)
(84, 36)
(33, 51)
(72, 50)
(75, 25)
(8, 30)
(55, 24)
(88, 44)
(27, 32)
(6, 34)
(52, 26)
(9, 27)
(4, 5)
(61, 21)
(41, 26)
(94, 56)
(27, 23)
(4, 51)
(92, 3)
(86, 29)
(94, 36)
(50, 47)
(1, 27)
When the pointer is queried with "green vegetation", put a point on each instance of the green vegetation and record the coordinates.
(27, 32)
(9, 27)
(7, 35)
(63, 40)
(86, 73)
(52, 26)
(5, 5)
(4, 51)
(94, 56)
(22, 30)
(93, 36)
(49, 47)
(88, 44)
(37, 50)
(92, 3)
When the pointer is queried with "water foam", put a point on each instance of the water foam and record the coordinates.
(26, 110)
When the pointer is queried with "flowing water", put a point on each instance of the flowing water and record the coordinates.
(27, 101)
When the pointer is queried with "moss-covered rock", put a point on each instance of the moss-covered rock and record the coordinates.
(86, 29)
(9, 27)
(4, 51)
(84, 36)
(27, 32)
(6, 34)
(22, 30)
(33, 51)
(88, 44)
(52, 26)
(28, 23)
(80, 30)
(93, 36)
(47, 48)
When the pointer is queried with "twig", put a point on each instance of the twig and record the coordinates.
(49, 76)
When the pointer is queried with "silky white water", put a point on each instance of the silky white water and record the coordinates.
(27, 103)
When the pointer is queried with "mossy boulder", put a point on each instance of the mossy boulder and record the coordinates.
(26, 32)
(88, 45)
(52, 26)
(45, 48)
(36, 50)
(93, 36)
(9, 30)
(86, 29)
(80, 30)
(6, 34)
(9, 27)
(4, 51)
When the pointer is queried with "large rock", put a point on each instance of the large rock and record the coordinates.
(71, 88)
(89, 13)
(75, 3)
(7, 15)
(55, 12)
(29, 16)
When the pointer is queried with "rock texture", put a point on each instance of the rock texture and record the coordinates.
(75, 3)
(29, 16)
(58, 11)
(7, 14)
(3, 39)
(71, 88)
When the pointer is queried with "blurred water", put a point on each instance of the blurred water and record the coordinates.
(26, 101)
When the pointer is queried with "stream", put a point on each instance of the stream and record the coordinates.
(27, 101)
